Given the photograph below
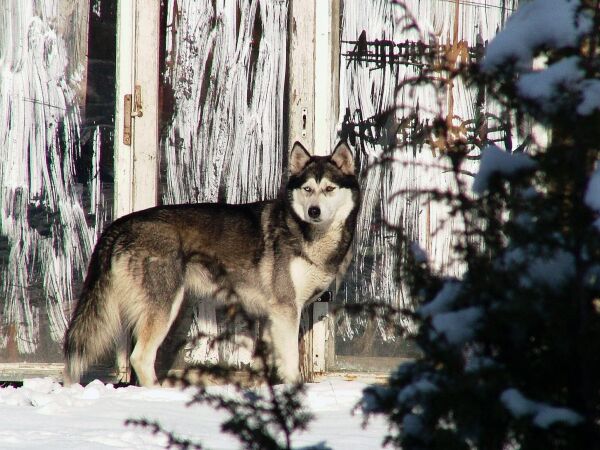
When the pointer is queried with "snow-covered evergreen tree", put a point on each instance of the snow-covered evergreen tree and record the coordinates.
(511, 349)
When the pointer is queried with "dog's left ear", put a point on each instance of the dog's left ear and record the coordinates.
(343, 159)
(299, 158)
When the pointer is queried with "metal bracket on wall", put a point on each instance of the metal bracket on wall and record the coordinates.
(131, 111)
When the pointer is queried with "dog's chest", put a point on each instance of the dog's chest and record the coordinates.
(308, 279)
(312, 273)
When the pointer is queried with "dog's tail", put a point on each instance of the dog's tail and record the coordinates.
(95, 323)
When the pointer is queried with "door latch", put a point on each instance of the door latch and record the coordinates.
(132, 110)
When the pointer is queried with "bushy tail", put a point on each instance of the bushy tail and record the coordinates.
(95, 322)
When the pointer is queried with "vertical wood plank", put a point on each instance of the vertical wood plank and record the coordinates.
(301, 65)
(136, 165)
(145, 131)
(336, 33)
(326, 82)
(313, 74)
(301, 97)
(123, 156)
(319, 337)
(326, 79)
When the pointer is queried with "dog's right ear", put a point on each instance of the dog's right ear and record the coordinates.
(299, 157)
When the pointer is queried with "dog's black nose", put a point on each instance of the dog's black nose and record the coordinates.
(314, 212)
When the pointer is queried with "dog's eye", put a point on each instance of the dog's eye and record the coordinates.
(330, 188)
(307, 189)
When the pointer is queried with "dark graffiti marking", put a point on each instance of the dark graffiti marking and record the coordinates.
(381, 53)
(389, 129)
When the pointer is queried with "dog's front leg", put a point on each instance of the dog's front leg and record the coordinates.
(282, 333)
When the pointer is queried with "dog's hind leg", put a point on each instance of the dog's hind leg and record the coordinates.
(150, 331)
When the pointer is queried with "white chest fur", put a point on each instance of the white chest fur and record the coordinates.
(308, 278)
(310, 274)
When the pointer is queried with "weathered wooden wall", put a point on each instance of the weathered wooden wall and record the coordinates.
(225, 74)
(369, 88)
(51, 202)
(222, 140)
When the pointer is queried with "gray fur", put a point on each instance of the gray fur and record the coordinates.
(273, 257)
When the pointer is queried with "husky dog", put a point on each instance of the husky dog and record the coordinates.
(273, 257)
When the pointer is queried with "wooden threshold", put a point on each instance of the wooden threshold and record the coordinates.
(349, 368)
(21, 371)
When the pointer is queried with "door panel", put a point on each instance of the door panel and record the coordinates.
(222, 123)
(55, 165)
(374, 34)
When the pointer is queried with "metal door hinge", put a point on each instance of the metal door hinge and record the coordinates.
(132, 110)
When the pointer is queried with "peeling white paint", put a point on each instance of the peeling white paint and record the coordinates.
(374, 91)
(219, 146)
(224, 144)
(41, 210)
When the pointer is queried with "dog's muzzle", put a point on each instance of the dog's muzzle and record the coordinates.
(314, 212)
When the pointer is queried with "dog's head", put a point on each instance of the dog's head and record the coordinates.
(322, 189)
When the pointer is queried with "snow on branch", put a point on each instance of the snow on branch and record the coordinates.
(494, 160)
(543, 415)
(555, 24)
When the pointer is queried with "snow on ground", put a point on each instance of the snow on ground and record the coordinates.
(44, 415)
